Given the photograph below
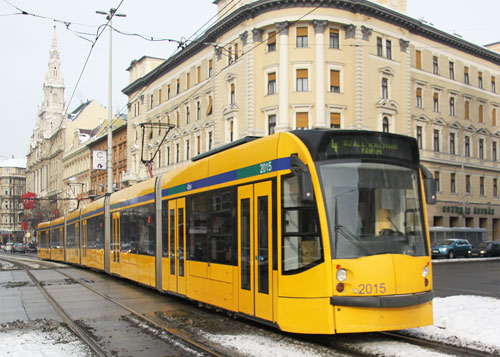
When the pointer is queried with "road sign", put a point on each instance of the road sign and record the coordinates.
(99, 159)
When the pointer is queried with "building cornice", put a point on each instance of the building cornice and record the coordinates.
(363, 7)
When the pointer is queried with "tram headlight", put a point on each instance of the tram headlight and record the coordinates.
(341, 275)
(425, 272)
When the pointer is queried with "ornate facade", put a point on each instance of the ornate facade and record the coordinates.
(270, 66)
(12, 187)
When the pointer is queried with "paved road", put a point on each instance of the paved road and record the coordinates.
(467, 277)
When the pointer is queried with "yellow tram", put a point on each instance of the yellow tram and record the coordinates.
(315, 231)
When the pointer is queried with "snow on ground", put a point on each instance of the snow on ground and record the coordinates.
(40, 338)
(466, 321)
(470, 321)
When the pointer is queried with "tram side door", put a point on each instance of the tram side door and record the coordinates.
(115, 244)
(255, 250)
(177, 243)
(83, 246)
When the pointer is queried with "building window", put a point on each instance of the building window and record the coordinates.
(233, 95)
(480, 80)
(466, 75)
(235, 52)
(388, 49)
(302, 37)
(481, 148)
(480, 113)
(159, 96)
(302, 120)
(385, 89)
(495, 187)
(436, 178)
(419, 98)
(302, 80)
(419, 137)
(436, 140)
(467, 109)
(493, 85)
(481, 186)
(168, 155)
(271, 83)
(453, 187)
(229, 55)
(334, 38)
(271, 124)
(436, 102)
(177, 153)
(385, 125)
(271, 41)
(168, 91)
(178, 119)
(379, 47)
(467, 146)
(198, 145)
(210, 68)
(188, 80)
(452, 143)
(334, 81)
(151, 101)
(231, 130)
(494, 151)
(418, 59)
(435, 65)
(187, 115)
(452, 106)
(494, 116)
(467, 184)
(335, 120)
(198, 110)
(451, 67)
(187, 150)
(210, 140)
(209, 107)
(178, 86)
(198, 74)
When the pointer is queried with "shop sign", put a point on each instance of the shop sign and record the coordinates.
(469, 210)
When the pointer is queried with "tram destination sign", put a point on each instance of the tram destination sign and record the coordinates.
(375, 145)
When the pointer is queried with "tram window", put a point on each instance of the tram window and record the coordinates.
(95, 232)
(222, 235)
(54, 242)
(197, 230)
(70, 236)
(301, 246)
(137, 230)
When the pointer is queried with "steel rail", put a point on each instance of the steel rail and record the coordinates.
(176, 333)
(72, 324)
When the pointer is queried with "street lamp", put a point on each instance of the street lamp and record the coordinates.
(109, 17)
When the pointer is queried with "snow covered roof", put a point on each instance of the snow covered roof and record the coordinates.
(13, 162)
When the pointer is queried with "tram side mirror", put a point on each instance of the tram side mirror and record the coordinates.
(429, 186)
(301, 170)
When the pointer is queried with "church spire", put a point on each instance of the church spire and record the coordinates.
(51, 113)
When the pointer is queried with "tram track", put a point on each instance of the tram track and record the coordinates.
(145, 322)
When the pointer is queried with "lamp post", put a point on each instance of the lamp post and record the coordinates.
(109, 17)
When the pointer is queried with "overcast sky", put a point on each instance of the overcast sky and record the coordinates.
(26, 41)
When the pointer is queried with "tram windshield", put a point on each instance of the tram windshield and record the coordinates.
(372, 208)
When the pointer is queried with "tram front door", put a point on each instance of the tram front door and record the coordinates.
(255, 250)
(115, 244)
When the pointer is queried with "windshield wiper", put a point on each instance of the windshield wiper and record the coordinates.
(397, 229)
(346, 233)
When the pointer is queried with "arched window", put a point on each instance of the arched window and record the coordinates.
(385, 125)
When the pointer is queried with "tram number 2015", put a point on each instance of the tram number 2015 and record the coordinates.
(266, 167)
(364, 289)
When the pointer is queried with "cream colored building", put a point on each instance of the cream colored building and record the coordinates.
(53, 136)
(270, 66)
(12, 187)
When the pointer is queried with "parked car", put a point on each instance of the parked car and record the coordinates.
(486, 249)
(8, 247)
(31, 247)
(2, 246)
(452, 248)
(19, 247)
